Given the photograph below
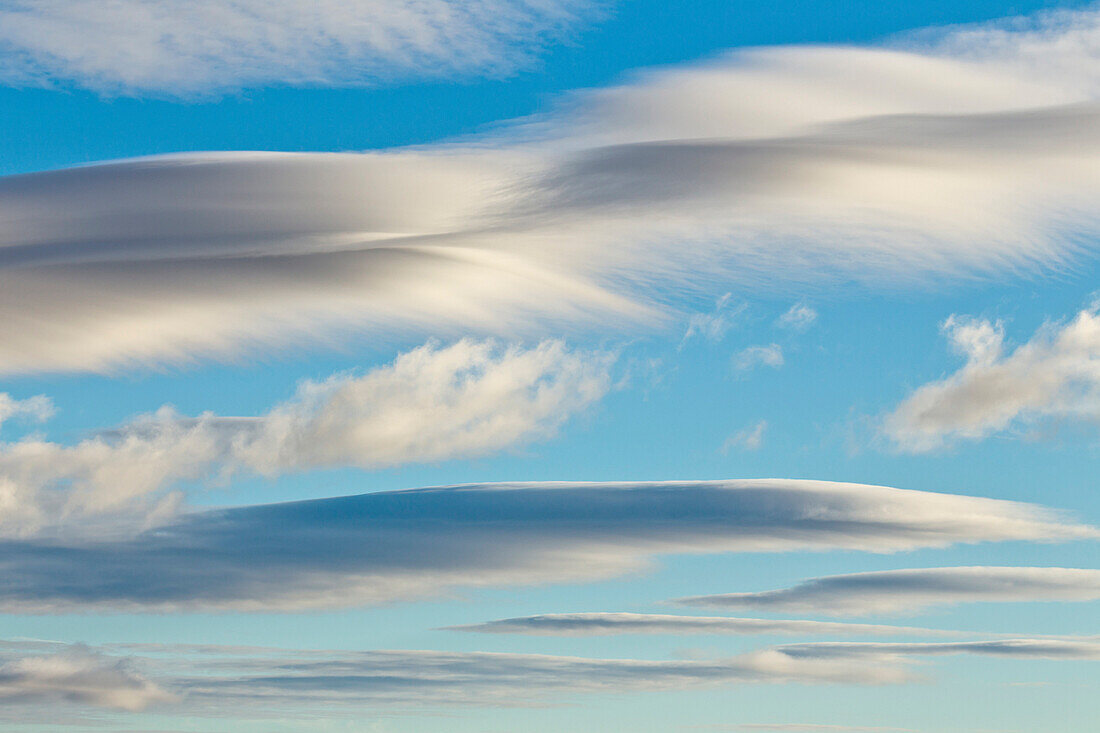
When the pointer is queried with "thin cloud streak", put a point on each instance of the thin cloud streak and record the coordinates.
(1083, 649)
(596, 624)
(913, 590)
(875, 165)
(399, 545)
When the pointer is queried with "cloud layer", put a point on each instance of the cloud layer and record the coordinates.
(1054, 375)
(594, 624)
(396, 545)
(185, 47)
(76, 675)
(431, 404)
(763, 166)
(899, 591)
(258, 681)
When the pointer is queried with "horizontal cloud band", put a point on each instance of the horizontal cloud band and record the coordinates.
(893, 591)
(592, 624)
(300, 681)
(404, 544)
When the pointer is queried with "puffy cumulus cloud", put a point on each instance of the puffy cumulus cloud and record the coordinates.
(76, 675)
(593, 624)
(899, 591)
(430, 404)
(187, 47)
(38, 408)
(764, 167)
(396, 545)
(1054, 375)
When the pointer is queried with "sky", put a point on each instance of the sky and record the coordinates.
(540, 365)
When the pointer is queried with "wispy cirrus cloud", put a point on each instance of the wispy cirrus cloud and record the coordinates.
(397, 545)
(602, 623)
(1054, 375)
(189, 47)
(764, 167)
(798, 317)
(762, 355)
(750, 438)
(899, 591)
(433, 403)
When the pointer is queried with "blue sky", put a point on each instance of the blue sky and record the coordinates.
(846, 247)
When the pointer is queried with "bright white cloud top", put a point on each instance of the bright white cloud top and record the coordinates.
(187, 47)
(1054, 375)
(395, 545)
(433, 403)
(781, 164)
(913, 590)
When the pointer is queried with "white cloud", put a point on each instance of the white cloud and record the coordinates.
(184, 47)
(235, 682)
(394, 545)
(77, 675)
(798, 317)
(38, 408)
(754, 356)
(431, 404)
(593, 624)
(766, 168)
(231, 682)
(1054, 375)
(901, 591)
(714, 325)
(748, 439)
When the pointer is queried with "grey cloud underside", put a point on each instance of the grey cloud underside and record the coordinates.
(901, 591)
(602, 213)
(403, 544)
(593, 624)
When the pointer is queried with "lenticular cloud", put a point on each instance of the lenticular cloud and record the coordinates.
(786, 164)
(394, 545)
